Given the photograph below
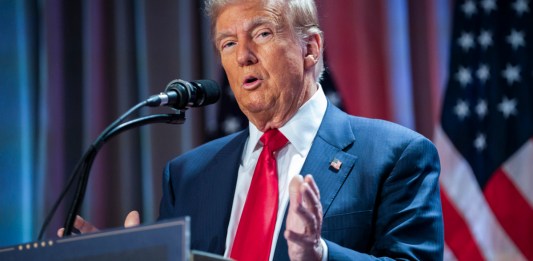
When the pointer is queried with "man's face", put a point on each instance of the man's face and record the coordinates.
(263, 61)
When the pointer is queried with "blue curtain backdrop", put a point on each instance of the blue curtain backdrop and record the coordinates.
(69, 68)
(17, 139)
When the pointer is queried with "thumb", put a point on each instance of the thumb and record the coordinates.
(295, 197)
(132, 219)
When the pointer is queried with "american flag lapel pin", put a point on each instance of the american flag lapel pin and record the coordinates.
(336, 164)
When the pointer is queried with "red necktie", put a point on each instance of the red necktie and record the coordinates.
(253, 239)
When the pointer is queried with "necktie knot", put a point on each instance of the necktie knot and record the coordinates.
(273, 139)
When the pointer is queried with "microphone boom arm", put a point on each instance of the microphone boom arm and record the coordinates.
(179, 95)
(175, 118)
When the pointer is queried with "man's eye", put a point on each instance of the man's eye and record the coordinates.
(264, 34)
(227, 45)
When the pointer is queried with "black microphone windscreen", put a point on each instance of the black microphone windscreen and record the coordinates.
(210, 89)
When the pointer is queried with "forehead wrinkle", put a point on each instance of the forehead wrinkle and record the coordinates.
(259, 21)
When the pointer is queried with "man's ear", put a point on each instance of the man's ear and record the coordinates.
(312, 50)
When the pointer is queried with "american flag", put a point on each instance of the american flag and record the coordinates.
(485, 140)
(336, 164)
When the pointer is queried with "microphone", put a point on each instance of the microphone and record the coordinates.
(180, 94)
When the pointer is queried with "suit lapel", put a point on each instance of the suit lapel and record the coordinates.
(334, 136)
(220, 180)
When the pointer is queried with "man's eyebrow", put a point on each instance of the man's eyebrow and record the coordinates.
(255, 22)
(221, 36)
(258, 21)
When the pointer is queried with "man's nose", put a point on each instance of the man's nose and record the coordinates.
(246, 54)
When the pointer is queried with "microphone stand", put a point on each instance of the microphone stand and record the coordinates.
(84, 165)
(75, 207)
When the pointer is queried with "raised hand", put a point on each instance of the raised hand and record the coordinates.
(304, 220)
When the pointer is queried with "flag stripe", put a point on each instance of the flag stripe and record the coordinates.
(456, 232)
(517, 166)
(515, 218)
(458, 182)
(448, 254)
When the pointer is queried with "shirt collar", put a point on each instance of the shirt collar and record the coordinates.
(300, 130)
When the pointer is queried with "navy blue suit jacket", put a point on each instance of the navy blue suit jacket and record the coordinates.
(383, 202)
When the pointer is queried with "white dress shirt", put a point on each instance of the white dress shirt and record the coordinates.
(300, 130)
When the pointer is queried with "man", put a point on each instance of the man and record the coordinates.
(373, 188)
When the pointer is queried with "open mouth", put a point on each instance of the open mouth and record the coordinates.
(250, 80)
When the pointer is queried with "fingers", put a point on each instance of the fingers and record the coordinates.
(305, 204)
(304, 192)
(81, 225)
(294, 190)
(311, 182)
(84, 226)
(132, 219)
(296, 181)
(304, 220)
(60, 232)
(311, 210)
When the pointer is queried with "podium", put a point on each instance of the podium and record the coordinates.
(161, 241)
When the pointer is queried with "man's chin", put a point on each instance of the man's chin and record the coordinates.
(257, 108)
